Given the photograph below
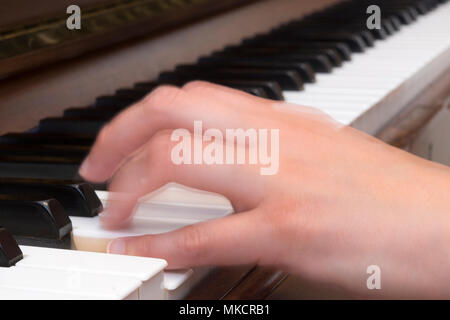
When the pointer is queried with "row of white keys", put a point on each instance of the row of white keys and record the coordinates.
(58, 274)
(169, 208)
(358, 85)
(147, 271)
(62, 285)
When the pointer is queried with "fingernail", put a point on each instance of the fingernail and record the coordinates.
(84, 168)
(117, 246)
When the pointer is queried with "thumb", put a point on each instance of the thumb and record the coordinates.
(237, 239)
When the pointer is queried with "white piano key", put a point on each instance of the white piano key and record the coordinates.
(69, 283)
(169, 208)
(147, 270)
(89, 235)
(174, 279)
(349, 92)
(178, 284)
(175, 201)
(361, 79)
(166, 209)
(91, 228)
(327, 103)
(356, 98)
(28, 294)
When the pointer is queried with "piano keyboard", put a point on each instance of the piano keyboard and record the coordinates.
(358, 76)
(368, 90)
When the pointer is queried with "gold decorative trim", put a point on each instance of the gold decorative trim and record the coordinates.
(126, 18)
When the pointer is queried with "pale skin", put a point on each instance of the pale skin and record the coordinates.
(340, 202)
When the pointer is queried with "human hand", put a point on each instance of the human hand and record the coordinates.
(340, 201)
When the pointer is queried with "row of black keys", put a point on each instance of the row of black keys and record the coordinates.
(43, 164)
(37, 212)
(264, 65)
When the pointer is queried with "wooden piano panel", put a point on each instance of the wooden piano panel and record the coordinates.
(18, 12)
(238, 283)
(37, 43)
(47, 91)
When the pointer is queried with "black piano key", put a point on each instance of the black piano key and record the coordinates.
(40, 222)
(355, 42)
(380, 34)
(105, 113)
(28, 138)
(368, 38)
(54, 181)
(254, 90)
(148, 85)
(43, 150)
(75, 125)
(413, 12)
(288, 80)
(396, 23)
(39, 167)
(320, 63)
(43, 181)
(330, 53)
(303, 69)
(404, 16)
(77, 199)
(388, 26)
(136, 94)
(337, 53)
(422, 7)
(355, 28)
(258, 92)
(340, 47)
(114, 101)
(10, 252)
(271, 89)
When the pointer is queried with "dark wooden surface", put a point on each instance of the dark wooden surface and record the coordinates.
(257, 285)
(238, 283)
(218, 284)
(24, 12)
(51, 41)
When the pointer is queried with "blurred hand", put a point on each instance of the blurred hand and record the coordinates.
(340, 202)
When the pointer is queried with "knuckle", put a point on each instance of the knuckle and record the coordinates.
(197, 85)
(161, 98)
(103, 135)
(158, 154)
(160, 143)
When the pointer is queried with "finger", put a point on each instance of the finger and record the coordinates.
(165, 108)
(153, 166)
(237, 239)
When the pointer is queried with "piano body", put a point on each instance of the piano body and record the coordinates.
(59, 87)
